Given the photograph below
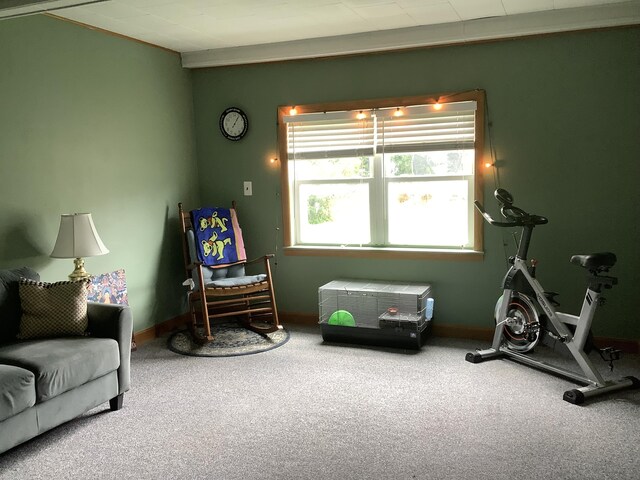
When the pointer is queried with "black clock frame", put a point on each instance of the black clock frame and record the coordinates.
(228, 136)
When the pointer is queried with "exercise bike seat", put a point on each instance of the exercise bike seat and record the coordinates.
(595, 261)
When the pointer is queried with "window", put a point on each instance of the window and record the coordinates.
(378, 176)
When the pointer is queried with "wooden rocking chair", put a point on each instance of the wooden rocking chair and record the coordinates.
(221, 291)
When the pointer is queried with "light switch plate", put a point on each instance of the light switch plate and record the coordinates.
(248, 189)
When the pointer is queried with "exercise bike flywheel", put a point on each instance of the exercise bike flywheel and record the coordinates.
(522, 326)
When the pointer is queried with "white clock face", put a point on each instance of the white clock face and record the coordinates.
(233, 123)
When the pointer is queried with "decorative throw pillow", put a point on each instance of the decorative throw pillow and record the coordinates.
(53, 309)
(10, 311)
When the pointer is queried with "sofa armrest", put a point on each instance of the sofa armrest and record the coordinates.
(114, 321)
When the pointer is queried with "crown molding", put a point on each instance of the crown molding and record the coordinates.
(21, 8)
(510, 26)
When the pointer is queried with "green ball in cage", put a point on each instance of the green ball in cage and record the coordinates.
(342, 318)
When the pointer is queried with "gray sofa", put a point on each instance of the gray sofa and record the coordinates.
(46, 382)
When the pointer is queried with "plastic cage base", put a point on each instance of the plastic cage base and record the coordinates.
(383, 337)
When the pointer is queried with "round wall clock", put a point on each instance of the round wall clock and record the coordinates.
(234, 123)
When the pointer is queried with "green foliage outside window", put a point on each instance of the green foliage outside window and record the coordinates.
(319, 209)
(425, 164)
(411, 164)
(402, 164)
(454, 162)
(364, 168)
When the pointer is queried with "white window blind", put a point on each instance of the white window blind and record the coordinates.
(419, 128)
(325, 135)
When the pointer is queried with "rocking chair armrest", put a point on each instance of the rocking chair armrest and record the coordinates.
(263, 258)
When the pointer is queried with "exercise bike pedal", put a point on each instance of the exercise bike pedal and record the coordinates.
(610, 354)
(557, 338)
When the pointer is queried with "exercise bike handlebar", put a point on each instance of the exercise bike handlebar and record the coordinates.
(489, 218)
(516, 216)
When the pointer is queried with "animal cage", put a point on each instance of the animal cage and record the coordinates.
(375, 312)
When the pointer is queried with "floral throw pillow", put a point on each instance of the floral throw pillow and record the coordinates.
(53, 309)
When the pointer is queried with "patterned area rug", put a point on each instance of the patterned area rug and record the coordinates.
(229, 340)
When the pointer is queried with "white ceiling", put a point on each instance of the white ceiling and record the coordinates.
(222, 32)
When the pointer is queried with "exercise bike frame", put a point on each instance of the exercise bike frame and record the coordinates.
(575, 342)
(519, 279)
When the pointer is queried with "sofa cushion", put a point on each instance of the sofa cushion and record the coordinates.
(61, 364)
(53, 309)
(10, 310)
(17, 390)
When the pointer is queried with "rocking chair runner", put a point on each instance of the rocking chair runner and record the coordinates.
(228, 292)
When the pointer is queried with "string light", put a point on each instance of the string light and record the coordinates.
(437, 106)
(398, 112)
(361, 115)
(273, 162)
(293, 110)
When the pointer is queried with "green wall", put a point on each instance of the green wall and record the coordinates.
(93, 122)
(565, 114)
(90, 122)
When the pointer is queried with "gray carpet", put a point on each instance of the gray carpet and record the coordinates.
(310, 410)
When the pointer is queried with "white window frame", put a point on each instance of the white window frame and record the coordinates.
(475, 183)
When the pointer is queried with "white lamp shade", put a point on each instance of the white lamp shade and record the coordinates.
(78, 238)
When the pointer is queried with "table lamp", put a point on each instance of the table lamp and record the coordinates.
(78, 238)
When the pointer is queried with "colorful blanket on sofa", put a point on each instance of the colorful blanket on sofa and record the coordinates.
(218, 236)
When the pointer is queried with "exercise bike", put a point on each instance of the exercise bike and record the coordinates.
(525, 314)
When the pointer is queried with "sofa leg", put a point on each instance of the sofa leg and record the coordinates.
(116, 402)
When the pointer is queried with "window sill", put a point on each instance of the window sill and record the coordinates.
(384, 253)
